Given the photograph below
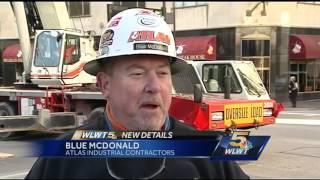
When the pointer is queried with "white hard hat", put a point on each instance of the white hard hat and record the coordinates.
(136, 31)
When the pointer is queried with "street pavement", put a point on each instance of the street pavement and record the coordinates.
(306, 113)
(293, 151)
(303, 105)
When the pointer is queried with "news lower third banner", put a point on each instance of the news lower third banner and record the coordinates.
(101, 144)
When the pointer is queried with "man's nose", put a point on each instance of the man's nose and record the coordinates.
(153, 84)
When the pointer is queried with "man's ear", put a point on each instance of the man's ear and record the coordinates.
(103, 81)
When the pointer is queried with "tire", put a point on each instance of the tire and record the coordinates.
(6, 110)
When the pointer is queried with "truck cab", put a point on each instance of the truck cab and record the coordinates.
(247, 106)
(59, 57)
(245, 80)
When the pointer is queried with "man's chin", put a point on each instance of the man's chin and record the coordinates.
(151, 123)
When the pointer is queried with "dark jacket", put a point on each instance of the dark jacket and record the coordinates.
(158, 168)
(293, 88)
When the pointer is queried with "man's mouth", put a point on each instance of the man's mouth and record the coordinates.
(150, 105)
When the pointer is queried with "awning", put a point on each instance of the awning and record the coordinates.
(304, 46)
(197, 47)
(12, 53)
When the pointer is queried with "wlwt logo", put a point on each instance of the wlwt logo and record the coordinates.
(239, 144)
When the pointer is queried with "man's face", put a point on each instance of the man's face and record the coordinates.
(138, 91)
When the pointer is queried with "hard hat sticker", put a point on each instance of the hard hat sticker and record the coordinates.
(146, 12)
(104, 50)
(114, 22)
(107, 38)
(149, 36)
(149, 22)
(150, 46)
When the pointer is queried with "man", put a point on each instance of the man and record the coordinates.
(293, 91)
(136, 59)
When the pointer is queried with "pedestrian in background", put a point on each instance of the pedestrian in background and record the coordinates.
(293, 91)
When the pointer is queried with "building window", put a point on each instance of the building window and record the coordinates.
(307, 74)
(309, 2)
(118, 6)
(130, 4)
(255, 48)
(189, 3)
(258, 51)
(78, 9)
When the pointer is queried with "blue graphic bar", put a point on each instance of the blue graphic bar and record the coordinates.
(125, 148)
(228, 148)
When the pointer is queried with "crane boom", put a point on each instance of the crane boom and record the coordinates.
(54, 15)
(18, 9)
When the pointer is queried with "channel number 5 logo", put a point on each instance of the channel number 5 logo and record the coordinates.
(239, 140)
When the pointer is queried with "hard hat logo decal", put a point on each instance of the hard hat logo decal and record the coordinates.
(114, 22)
(104, 50)
(148, 22)
(149, 36)
(146, 12)
(107, 37)
(150, 46)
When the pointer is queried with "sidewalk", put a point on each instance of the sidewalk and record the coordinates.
(306, 113)
(303, 105)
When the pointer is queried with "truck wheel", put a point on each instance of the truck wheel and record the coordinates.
(6, 110)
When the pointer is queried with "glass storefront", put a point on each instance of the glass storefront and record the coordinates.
(307, 73)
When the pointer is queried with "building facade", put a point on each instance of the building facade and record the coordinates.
(281, 38)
